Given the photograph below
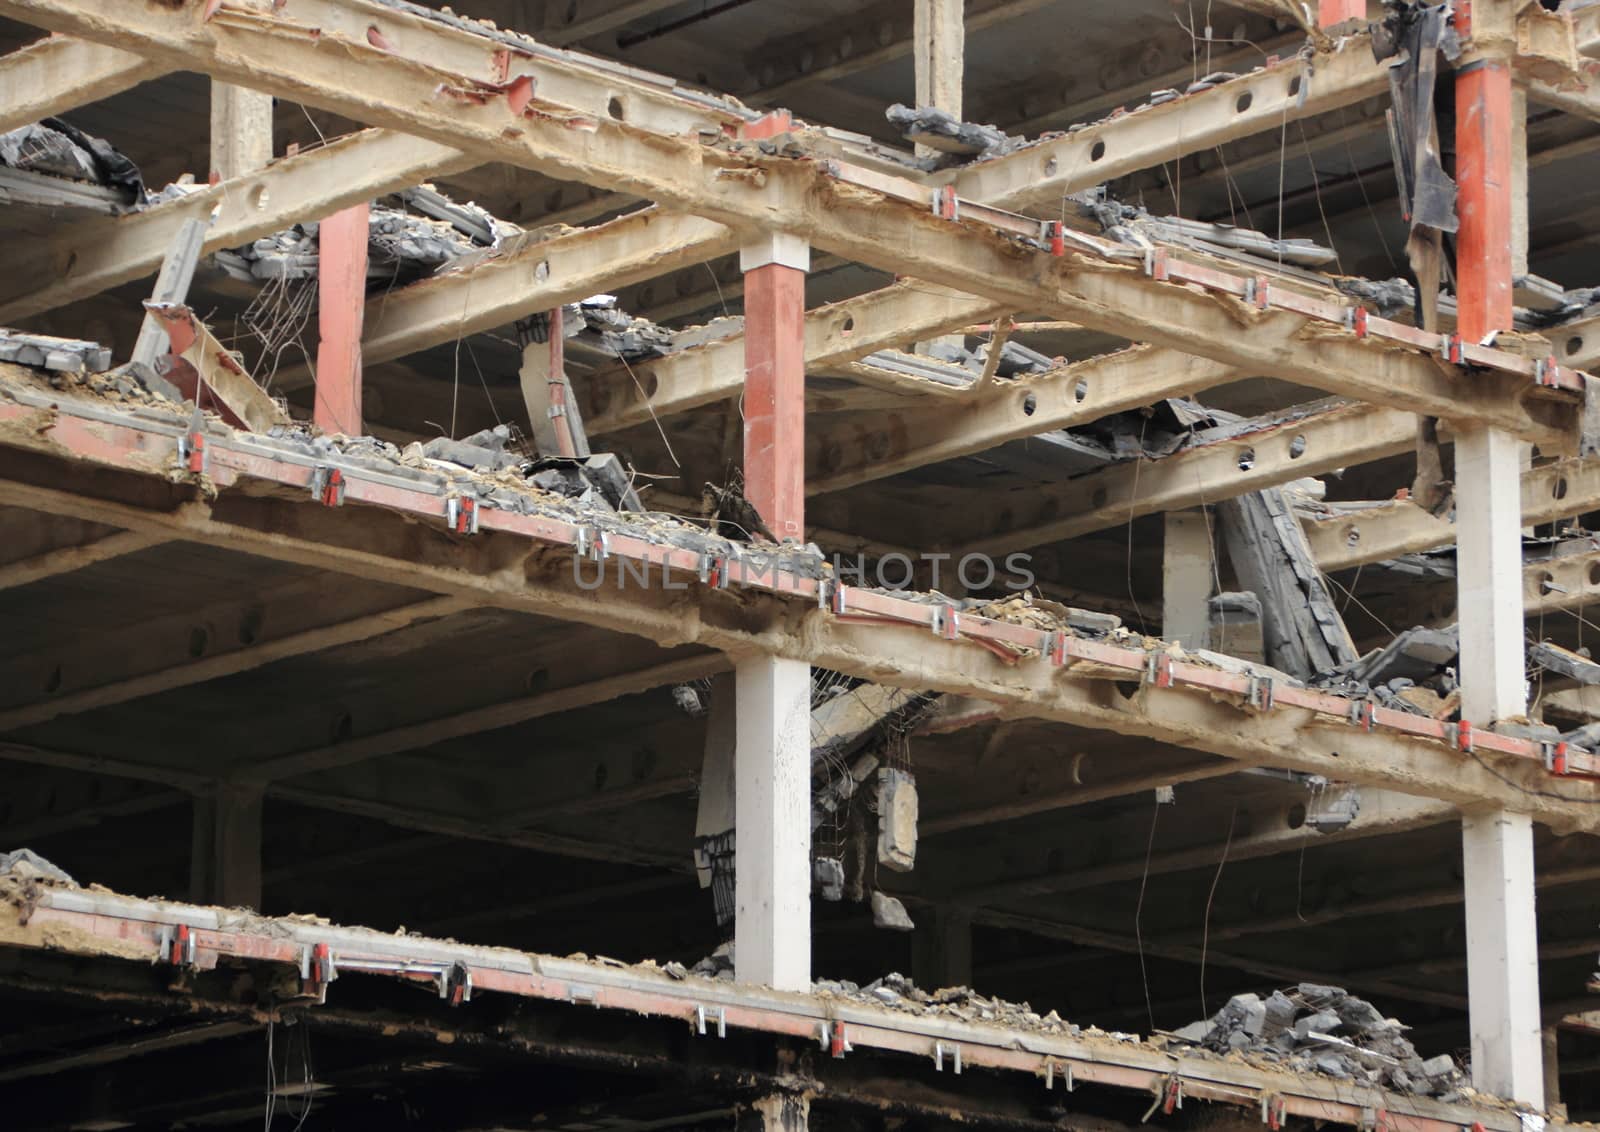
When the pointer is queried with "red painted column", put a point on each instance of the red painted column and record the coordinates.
(342, 298)
(1332, 12)
(775, 381)
(1483, 172)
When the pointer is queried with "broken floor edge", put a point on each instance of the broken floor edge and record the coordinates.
(95, 924)
(215, 457)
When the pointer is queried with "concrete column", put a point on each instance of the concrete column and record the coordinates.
(1489, 574)
(1187, 577)
(241, 131)
(1502, 956)
(225, 848)
(775, 380)
(1497, 845)
(939, 53)
(342, 300)
(772, 807)
(941, 949)
(782, 1112)
(1550, 1041)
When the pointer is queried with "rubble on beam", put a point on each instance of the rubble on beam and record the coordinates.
(1324, 1029)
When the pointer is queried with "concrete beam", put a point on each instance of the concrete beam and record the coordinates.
(343, 73)
(58, 74)
(66, 559)
(373, 544)
(94, 257)
(138, 677)
(1298, 87)
(1312, 445)
(535, 276)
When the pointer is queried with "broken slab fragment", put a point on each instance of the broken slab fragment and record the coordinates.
(887, 912)
(897, 819)
(941, 130)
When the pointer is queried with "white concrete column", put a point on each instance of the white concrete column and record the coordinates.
(1502, 956)
(1489, 575)
(1187, 578)
(772, 805)
(1497, 845)
(241, 131)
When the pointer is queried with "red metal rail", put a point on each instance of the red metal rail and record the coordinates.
(114, 436)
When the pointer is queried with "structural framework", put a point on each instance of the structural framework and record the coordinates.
(1020, 563)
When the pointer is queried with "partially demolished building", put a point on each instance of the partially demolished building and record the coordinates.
(644, 564)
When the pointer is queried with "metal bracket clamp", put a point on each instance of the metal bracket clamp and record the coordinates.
(1257, 292)
(714, 571)
(455, 983)
(1356, 321)
(837, 599)
(1055, 237)
(1172, 1094)
(1056, 648)
(1464, 737)
(1450, 347)
(461, 514)
(177, 945)
(1158, 669)
(1555, 757)
(192, 452)
(1274, 1111)
(720, 1017)
(824, 591)
(1050, 1074)
(946, 205)
(593, 543)
(1547, 371)
(317, 970)
(939, 1051)
(1363, 715)
(835, 1040)
(945, 622)
(1155, 264)
(1262, 694)
(327, 486)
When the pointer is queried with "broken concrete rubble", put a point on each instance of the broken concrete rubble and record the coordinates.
(1326, 1030)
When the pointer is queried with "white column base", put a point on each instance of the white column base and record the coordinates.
(1489, 575)
(1502, 956)
(772, 799)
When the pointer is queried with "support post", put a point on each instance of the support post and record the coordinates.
(940, 47)
(225, 849)
(781, 1112)
(1497, 845)
(1332, 13)
(342, 298)
(941, 949)
(1187, 573)
(775, 374)
(772, 820)
(241, 131)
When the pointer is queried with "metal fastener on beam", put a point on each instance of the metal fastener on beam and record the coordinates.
(720, 1017)
(327, 486)
(939, 1051)
(461, 514)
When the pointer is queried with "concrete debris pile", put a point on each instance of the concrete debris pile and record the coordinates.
(26, 865)
(54, 148)
(898, 992)
(59, 355)
(404, 243)
(1326, 1030)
